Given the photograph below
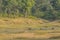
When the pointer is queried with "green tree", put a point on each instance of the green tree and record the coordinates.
(26, 5)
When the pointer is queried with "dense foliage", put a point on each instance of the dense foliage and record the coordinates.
(46, 9)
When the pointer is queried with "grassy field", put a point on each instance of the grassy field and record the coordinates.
(28, 29)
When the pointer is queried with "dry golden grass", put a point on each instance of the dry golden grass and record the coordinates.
(28, 35)
(26, 22)
(21, 22)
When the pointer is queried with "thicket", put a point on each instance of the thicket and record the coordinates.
(46, 9)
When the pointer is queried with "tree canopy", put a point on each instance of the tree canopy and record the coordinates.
(46, 9)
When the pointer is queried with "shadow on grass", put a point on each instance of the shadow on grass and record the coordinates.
(28, 39)
(56, 37)
(53, 38)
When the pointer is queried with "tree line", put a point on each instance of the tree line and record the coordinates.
(46, 9)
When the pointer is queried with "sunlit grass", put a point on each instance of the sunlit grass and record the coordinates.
(10, 27)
